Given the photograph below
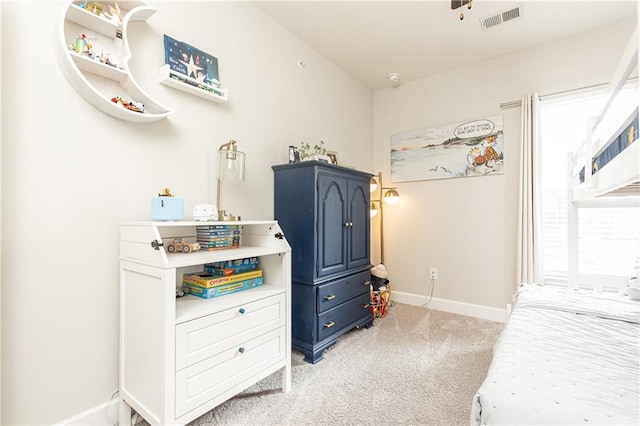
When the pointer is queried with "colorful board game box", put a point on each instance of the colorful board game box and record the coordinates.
(221, 290)
(207, 280)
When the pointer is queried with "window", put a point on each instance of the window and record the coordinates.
(608, 240)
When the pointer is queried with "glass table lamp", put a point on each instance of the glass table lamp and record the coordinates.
(231, 167)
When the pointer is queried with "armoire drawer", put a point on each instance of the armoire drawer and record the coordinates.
(336, 319)
(204, 337)
(207, 380)
(339, 291)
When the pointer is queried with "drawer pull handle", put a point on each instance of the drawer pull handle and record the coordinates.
(366, 283)
(365, 305)
(241, 350)
(329, 324)
(242, 311)
(330, 297)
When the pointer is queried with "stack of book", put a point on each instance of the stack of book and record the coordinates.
(216, 237)
(207, 285)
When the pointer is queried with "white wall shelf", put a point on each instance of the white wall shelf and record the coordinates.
(88, 19)
(202, 90)
(89, 65)
(97, 82)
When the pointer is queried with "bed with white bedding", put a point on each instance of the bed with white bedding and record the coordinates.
(565, 356)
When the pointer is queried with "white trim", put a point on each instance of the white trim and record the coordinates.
(105, 414)
(461, 308)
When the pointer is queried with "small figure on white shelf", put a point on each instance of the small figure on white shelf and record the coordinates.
(82, 45)
(95, 8)
(114, 15)
(131, 106)
(104, 59)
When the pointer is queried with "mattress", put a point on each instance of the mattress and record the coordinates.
(564, 357)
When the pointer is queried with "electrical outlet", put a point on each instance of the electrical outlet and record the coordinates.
(434, 273)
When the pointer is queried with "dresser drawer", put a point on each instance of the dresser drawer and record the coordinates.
(209, 379)
(204, 337)
(336, 319)
(339, 291)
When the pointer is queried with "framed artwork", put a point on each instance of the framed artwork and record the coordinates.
(191, 62)
(473, 148)
(333, 156)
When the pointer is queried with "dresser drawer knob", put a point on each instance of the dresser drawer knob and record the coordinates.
(242, 311)
(330, 297)
(329, 324)
(241, 350)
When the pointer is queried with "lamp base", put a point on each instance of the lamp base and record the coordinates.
(224, 217)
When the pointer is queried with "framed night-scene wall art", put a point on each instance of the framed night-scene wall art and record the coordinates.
(189, 64)
(473, 148)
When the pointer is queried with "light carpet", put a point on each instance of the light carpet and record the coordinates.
(415, 366)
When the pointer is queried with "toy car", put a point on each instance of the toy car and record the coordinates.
(182, 245)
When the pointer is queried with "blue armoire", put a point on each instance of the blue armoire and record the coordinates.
(323, 210)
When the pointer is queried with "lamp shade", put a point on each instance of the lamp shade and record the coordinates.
(373, 210)
(373, 184)
(231, 162)
(391, 197)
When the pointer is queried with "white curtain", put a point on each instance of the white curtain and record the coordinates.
(530, 266)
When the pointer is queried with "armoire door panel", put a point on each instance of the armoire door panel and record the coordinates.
(332, 220)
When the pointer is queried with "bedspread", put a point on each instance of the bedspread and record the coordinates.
(564, 357)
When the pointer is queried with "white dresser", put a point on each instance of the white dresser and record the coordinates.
(181, 357)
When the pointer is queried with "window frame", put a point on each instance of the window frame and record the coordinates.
(572, 276)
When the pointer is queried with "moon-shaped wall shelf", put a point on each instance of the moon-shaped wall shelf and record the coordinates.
(95, 55)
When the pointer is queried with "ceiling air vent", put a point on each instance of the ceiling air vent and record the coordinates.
(500, 17)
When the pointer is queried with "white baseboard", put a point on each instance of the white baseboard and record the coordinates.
(461, 308)
(102, 415)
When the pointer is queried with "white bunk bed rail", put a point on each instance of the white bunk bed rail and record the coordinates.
(610, 157)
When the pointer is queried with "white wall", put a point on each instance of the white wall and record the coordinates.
(71, 174)
(467, 227)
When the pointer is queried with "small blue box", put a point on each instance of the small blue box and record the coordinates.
(167, 208)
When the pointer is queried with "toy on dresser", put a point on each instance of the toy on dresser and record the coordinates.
(167, 207)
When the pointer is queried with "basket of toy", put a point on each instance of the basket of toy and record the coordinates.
(380, 291)
(380, 301)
